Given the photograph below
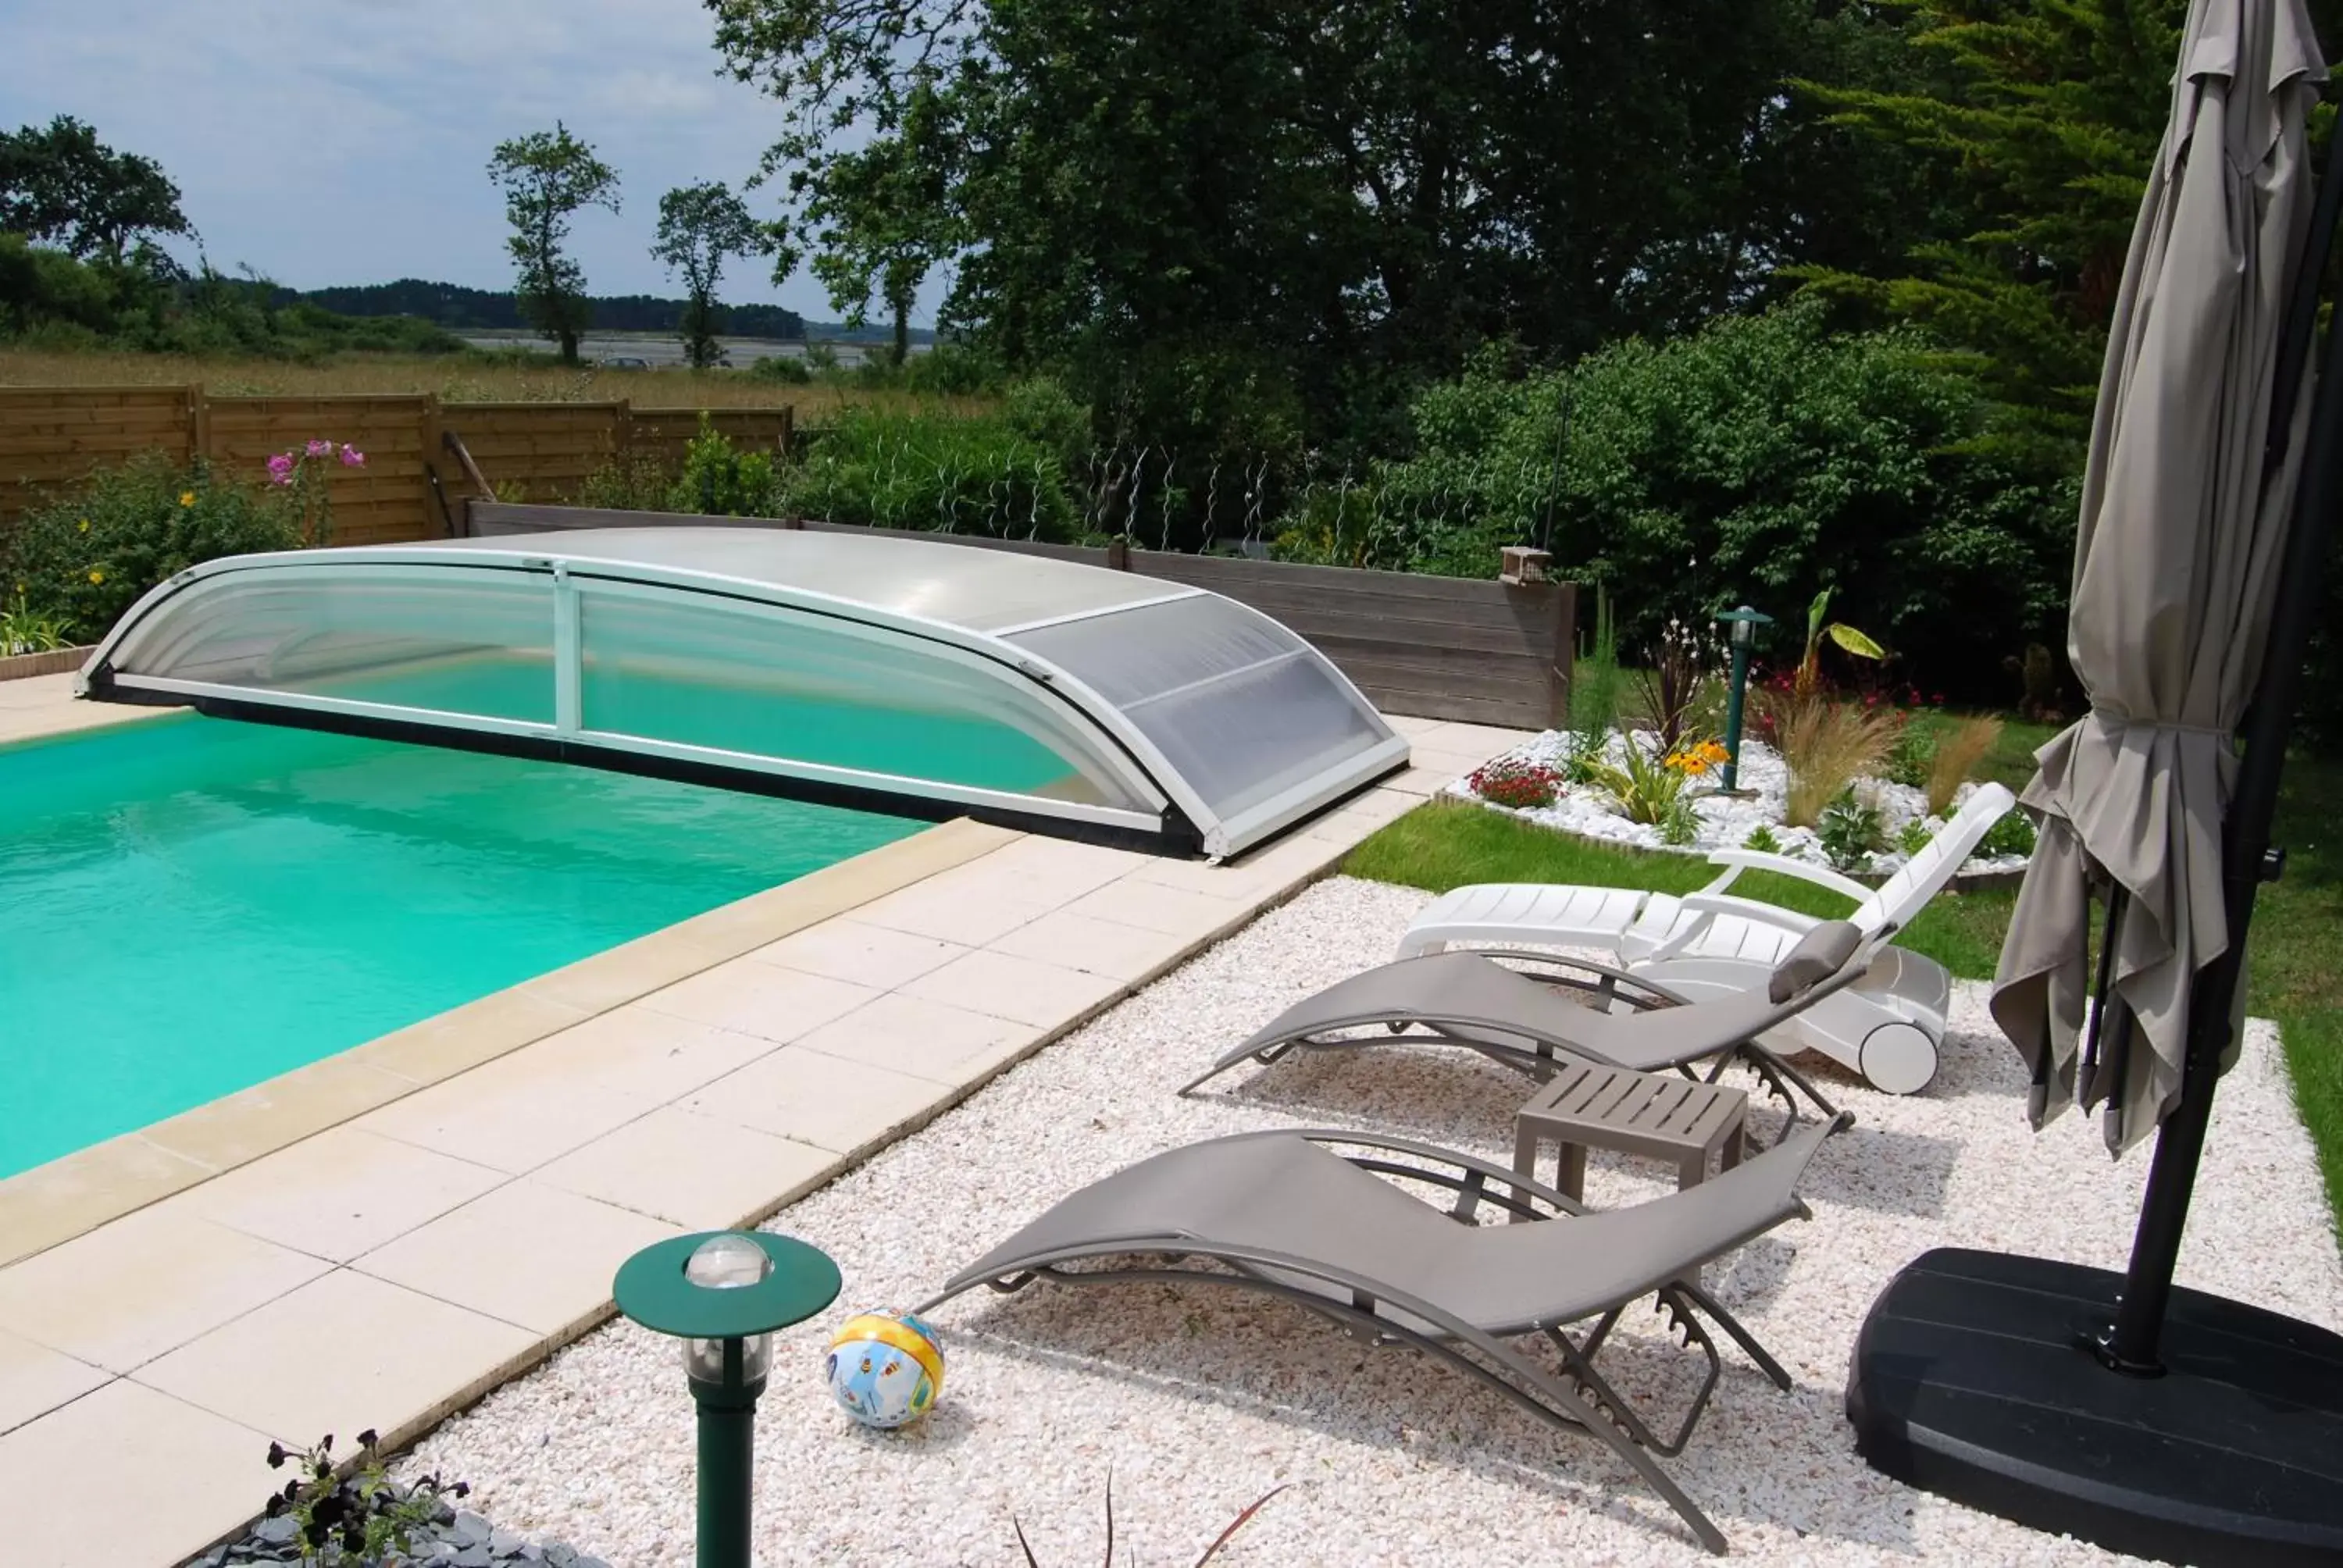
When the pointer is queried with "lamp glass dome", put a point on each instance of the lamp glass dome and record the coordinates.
(727, 1263)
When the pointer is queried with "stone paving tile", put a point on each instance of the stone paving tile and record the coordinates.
(35, 1380)
(956, 909)
(692, 1171)
(851, 949)
(829, 1101)
(128, 1478)
(344, 1352)
(925, 1039)
(1026, 991)
(760, 1000)
(513, 1115)
(528, 1253)
(146, 1283)
(343, 1192)
(1094, 945)
(650, 1056)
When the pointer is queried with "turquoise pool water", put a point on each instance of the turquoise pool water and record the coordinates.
(190, 906)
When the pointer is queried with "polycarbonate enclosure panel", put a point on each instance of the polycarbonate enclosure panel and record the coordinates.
(1240, 708)
(699, 670)
(951, 585)
(457, 642)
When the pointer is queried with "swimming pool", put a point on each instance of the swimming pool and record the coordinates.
(190, 906)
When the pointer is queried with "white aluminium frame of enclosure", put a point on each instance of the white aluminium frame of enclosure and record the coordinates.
(1183, 720)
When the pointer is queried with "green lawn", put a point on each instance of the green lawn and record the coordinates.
(2298, 932)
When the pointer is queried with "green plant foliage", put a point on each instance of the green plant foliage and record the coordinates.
(1646, 782)
(1915, 837)
(1851, 831)
(1763, 839)
(23, 629)
(1596, 683)
(2013, 835)
(1679, 824)
(84, 558)
(890, 468)
(545, 176)
(1913, 755)
(358, 1520)
(719, 479)
(1764, 458)
(629, 482)
(780, 370)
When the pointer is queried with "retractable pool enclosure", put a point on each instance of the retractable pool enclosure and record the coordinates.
(925, 678)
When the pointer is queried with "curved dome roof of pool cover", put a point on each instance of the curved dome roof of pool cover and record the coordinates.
(925, 678)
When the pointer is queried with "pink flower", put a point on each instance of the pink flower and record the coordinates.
(280, 468)
(321, 448)
(352, 457)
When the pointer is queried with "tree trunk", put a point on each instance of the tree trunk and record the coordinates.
(569, 347)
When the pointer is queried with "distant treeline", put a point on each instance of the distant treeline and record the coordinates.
(453, 306)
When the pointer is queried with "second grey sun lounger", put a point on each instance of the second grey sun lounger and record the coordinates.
(1282, 1213)
(1476, 1003)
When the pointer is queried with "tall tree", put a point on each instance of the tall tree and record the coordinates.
(878, 220)
(698, 227)
(60, 186)
(545, 176)
(2041, 117)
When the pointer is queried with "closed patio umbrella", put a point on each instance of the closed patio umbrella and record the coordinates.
(2169, 1422)
(2182, 523)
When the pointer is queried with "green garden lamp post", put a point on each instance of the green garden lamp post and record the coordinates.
(723, 1293)
(1740, 626)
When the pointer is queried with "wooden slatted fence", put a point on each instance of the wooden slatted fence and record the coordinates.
(52, 437)
(1435, 648)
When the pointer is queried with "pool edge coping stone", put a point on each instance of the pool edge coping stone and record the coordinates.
(75, 1194)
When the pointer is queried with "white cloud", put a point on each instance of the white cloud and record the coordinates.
(346, 141)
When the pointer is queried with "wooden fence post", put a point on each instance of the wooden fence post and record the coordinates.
(199, 424)
(434, 499)
(1117, 554)
(1566, 652)
(622, 430)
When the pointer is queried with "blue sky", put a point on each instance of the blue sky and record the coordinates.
(346, 141)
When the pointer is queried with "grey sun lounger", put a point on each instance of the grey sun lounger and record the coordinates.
(1282, 1214)
(1474, 1002)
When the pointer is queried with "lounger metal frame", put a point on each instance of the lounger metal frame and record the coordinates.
(1599, 986)
(1581, 1398)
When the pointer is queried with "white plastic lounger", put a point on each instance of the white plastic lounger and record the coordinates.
(1887, 1026)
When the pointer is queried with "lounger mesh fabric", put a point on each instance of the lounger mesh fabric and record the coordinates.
(1000, 683)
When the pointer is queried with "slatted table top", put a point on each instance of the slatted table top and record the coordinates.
(1635, 1112)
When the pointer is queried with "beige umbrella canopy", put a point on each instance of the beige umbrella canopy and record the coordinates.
(2175, 567)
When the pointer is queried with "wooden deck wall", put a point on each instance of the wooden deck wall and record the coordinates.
(1435, 648)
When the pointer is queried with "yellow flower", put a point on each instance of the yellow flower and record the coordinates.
(187, 498)
(97, 577)
(84, 525)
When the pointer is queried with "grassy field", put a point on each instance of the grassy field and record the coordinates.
(2297, 940)
(457, 378)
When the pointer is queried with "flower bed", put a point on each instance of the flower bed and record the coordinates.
(1537, 771)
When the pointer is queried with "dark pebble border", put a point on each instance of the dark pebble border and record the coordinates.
(456, 1539)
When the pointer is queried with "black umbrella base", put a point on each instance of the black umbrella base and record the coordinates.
(1973, 1379)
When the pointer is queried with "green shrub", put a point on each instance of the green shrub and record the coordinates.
(719, 479)
(1915, 837)
(629, 482)
(893, 470)
(1851, 831)
(1039, 410)
(1762, 457)
(951, 370)
(85, 557)
(780, 370)
(2013, 835)
(1763, 839)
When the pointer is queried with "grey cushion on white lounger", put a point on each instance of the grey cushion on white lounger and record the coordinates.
(1817, 957)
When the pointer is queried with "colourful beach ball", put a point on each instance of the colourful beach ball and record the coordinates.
(884, 1370)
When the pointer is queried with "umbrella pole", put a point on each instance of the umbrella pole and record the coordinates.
(2132, 1342)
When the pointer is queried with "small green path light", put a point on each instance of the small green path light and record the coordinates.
(724, 1293)
(1742, 626)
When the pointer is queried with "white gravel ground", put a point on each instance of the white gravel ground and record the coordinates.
(1197, 1402)
(1724, 824)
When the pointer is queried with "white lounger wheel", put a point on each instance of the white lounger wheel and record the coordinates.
(1898, 1059)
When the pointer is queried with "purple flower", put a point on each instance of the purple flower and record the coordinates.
(280, 468)
(352, 457)
(321, 448)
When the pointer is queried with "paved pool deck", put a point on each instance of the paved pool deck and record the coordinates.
(381, 1238)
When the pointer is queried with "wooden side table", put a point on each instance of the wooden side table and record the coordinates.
(1661, 1116)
